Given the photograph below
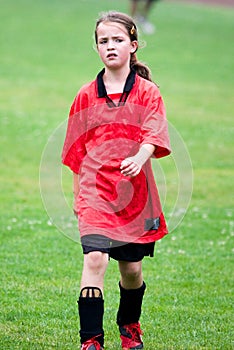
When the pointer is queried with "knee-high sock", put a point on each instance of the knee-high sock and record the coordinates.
(91, 311)
(130, 305)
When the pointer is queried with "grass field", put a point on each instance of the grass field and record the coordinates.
(46, 55)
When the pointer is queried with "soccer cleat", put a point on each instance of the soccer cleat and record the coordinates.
(146, 26)
(131, 336)
(91, 344)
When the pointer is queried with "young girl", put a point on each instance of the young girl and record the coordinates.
(117, 123)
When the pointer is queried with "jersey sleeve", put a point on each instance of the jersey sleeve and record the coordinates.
(154, 124)
(74, 149)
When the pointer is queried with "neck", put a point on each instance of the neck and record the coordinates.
(114, 80)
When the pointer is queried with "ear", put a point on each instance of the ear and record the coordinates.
(134, 45)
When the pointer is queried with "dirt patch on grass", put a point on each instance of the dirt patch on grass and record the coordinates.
(229, 3)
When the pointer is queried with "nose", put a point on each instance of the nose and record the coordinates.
(110, 45)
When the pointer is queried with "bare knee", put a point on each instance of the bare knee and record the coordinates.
(96, 261)
(131, 274)
(94, 268)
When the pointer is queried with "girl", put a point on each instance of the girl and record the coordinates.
(116, 123)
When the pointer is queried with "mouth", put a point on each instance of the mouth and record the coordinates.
(111, 55)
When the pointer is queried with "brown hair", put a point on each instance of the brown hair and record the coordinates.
(128, 23)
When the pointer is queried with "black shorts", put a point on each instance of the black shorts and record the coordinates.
(117, 250)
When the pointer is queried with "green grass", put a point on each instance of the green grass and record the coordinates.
(46, 55)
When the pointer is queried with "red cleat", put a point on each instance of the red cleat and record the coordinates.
(131, 336)
(91, 344)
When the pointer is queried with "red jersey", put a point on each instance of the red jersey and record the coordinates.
(102, 131)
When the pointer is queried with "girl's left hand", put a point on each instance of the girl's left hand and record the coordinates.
(129, 167)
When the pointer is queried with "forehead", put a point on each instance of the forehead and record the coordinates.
(111, 29)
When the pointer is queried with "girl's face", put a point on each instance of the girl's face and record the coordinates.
(114, 45)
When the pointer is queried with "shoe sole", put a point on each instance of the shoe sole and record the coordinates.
(133, 348)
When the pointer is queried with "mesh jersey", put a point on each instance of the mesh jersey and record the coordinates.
(99, 136)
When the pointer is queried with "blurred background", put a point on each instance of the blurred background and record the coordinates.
(47, 54)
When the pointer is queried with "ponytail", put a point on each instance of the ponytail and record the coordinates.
(141, 69)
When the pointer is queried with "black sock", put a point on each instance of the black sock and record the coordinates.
(130, 305)
(91, 311)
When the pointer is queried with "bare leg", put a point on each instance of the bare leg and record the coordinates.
(147, 8)
(131, 274)
(133, 7)
(146, 26)
(94, 268)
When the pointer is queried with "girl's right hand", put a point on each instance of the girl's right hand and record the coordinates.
(75, 211)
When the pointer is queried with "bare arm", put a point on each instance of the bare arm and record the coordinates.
(76, 189)
(132, 166)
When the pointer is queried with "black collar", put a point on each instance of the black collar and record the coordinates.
(127, 87)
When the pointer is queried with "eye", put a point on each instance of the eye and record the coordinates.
(102, 41)
(118, 40)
